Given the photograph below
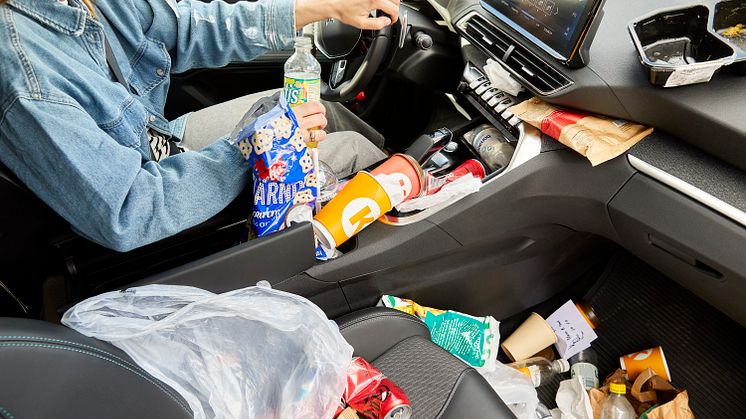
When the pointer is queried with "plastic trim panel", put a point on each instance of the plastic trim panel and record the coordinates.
(689, 190)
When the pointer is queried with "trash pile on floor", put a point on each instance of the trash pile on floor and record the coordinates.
(543, 349)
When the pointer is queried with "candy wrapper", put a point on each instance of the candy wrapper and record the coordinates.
(284, 179)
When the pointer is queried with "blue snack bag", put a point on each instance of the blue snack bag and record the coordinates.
(284, 179)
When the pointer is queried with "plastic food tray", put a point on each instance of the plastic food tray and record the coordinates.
(688, 45)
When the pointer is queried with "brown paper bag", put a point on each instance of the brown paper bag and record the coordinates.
(678, 408)
(650, 389)
(596, 137)
(599, 395)
(348, 413)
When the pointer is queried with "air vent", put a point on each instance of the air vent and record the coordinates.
(520, 61)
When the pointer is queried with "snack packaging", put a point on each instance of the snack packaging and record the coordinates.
(472, 339)
(596, 137)
(284, 179)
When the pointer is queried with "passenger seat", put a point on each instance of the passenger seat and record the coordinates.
(52, 371)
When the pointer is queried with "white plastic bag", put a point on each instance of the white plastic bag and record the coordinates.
(250, 353)
(514, 388)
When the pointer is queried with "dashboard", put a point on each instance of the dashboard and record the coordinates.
(710, 116)
(557, 26)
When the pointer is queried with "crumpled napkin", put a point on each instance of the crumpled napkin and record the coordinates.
(501, 79)
(453, 191)
(572, 400)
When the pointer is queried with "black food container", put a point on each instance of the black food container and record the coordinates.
(682, 46)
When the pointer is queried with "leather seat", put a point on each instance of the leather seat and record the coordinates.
(50, 371)
(438, 384)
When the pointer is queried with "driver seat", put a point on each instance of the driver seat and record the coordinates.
(52, 371)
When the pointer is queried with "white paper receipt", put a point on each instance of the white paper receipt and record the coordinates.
(573, 333)
(692, 75)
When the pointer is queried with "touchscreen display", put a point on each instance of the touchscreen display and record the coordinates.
(554, 25)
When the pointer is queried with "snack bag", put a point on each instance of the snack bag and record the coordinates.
(474, 340)
(284, 179)
(596, 137)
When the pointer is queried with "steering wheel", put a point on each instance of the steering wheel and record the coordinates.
(337, 41)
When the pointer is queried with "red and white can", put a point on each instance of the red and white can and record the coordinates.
(472, 166)
(394, 403)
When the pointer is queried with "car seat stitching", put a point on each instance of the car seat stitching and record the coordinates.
(94, 355)
(369, 318)
(453, 392)
(5, 414)
(93, 348)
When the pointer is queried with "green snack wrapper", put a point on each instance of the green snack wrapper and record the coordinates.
(474, 340)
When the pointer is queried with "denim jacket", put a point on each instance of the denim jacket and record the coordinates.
(78, 139)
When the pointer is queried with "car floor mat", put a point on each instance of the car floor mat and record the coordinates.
(641, 308)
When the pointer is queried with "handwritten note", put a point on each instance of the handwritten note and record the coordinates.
(573, 333)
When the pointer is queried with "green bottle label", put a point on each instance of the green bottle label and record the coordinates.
(299, 91)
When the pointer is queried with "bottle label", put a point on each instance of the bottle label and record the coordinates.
(532, 372)
(588, 374)
(299, 91)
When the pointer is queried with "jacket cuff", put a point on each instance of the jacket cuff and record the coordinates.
(280, 24)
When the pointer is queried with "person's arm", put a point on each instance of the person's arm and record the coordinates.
(102, 188)
(204, 35)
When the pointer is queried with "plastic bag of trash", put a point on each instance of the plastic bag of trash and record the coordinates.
(250, 353)
(514, 388)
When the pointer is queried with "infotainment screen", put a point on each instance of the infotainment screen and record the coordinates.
(557, 26)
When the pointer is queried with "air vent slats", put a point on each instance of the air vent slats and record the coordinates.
(523, 63)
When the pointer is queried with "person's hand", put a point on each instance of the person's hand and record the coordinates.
(311, 118)
(352, 12)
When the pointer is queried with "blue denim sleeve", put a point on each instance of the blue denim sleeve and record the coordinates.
(102, 188)
(202, 35)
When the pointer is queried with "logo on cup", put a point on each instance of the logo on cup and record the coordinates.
(404, 182)
(639, 356)
(359, 213)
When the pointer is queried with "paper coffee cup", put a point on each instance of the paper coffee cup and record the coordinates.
(530, 338)
(411, 178)
(637, 362)
(362, 201)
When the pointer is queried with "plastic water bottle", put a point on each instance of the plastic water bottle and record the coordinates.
(584, 364)
(541, 370)
(617, 406)
(302, 74)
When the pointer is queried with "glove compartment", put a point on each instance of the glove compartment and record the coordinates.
(686, 240)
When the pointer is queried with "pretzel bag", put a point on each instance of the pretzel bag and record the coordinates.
(284, 179)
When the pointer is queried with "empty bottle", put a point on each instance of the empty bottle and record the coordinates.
(617, 406)
(541, 370)
(584, 364)
(302, 74)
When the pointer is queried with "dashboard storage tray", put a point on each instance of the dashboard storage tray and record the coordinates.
(729, 23)
(679, 47)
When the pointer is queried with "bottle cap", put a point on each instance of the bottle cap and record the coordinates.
(562, 365)
(588, 314)
(618, 388)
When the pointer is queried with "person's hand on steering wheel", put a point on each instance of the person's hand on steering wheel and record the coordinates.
(351, 12)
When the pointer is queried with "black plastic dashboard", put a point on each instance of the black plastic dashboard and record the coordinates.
(711, 116)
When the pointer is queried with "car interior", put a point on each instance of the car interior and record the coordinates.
(654, 240)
